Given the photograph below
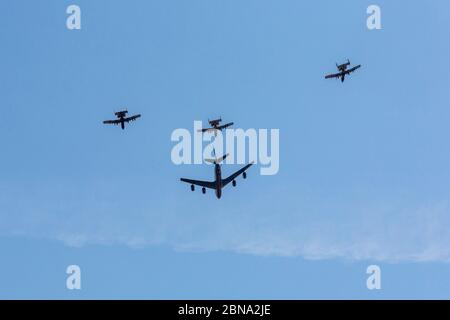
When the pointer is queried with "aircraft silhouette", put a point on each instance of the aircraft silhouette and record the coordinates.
(343, 71)
(218, 184)
(215, 126)
(122, 119)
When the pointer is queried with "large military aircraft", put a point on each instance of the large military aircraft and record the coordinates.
(122, 119)
(215, 126)
(218, 184)
(343, 71)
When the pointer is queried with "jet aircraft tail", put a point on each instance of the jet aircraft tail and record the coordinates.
(217, 160)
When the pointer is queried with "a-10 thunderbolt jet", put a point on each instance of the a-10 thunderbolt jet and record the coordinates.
(343, 71)
(216, 126)
(122, 119)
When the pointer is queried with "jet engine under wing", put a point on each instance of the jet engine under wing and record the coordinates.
(206, 184)
(116, 122)
(235, 175)
(133, 118)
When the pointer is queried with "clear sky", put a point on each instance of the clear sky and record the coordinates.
(364, 166)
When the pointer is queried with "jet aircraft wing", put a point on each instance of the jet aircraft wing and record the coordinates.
(334, 75)
(352, 69)
(115, 122)
(225, 126)
(133, 118)
(206, 184)
(235, 175)
(207, 130)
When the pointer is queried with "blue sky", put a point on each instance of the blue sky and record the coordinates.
(363, 174)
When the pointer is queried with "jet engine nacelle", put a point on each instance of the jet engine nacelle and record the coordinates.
(244, 175)
(234, 183)
(192, 187)
(203, 190)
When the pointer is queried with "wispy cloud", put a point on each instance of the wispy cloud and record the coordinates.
(390, 233)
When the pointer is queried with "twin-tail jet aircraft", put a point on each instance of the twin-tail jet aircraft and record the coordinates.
(343, 71)
(215, 126)
(122, 119)
(218, 184)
